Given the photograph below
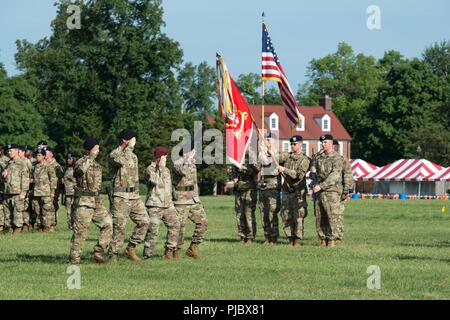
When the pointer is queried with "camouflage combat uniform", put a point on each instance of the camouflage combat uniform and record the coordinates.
(87, 207)
(26, 212)
(347, 184)
(245, 200)
(126, 201)
(269, 197)
(294, 205)
(187, 201)
(55, 188)
(69, 190)
(17, 183)
(43, 178)
(3, 164)
(160, 207)
(329, 206)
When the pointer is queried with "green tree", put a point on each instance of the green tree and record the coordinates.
(20, 121)
(114, 72)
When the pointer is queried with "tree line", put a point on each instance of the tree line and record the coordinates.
(121, 70)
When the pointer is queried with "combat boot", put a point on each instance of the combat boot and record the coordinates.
(130, 252)
(323, 243)
(192, 251)
(331, 243)
(45, 229)
(249, 242)
(297, 243)
(17, 230)
(338, 241)
(176, 253)
(10, 231)
(268, 241)
(97, 256)
(168, 254)
(274, 241)
(113, 258)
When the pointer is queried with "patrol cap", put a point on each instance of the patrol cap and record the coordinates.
(41, 151)
(42, 143)
(335, 142)
(326, 137)
(127, 134)
(160, 151)
(295, 139)
(90, 142)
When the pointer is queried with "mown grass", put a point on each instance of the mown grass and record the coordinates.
(408, 240)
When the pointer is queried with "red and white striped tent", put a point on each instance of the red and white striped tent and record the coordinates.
(404, 170)
(443, 175)
(361, 168)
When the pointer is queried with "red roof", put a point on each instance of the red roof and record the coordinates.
(312, 131)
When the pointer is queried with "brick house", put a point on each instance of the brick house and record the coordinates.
(316, 121)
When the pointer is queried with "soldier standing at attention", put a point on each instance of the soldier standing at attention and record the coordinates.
(55, 185)
(294, 208)
(69, 187)
(43, 210)
(329, 191)
(17, 183)
(269, 191)
(26, 212)
(347, 184)
(160, 206)
(244, 180)
(126, 201)
(3, 163)
(187, 203)
(88, 205)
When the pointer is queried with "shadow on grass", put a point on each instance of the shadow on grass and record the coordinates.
(405, 257)
(57, 258)
(444, 244)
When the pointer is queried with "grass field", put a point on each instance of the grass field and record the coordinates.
(408, 240)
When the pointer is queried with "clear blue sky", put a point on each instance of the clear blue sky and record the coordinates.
(300, 29)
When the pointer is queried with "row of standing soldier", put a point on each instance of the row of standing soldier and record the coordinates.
(125, 202)
(23, 196)
(287, 172)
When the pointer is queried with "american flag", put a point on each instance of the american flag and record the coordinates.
(272, 70)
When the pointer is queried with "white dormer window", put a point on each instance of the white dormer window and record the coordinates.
(326, 123)
(286, 146)
(341, 148)
(273, 120)
(301, 125)
(305, 148)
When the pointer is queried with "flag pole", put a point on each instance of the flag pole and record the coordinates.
(262, 88)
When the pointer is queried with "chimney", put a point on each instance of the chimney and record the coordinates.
(326, 103)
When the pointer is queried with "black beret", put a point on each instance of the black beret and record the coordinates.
(90, 142)
(42, 143)
(28, 148)
(296, 139)
(71, 154)
(12, 146)
(22, 147)
(326, 137)
(52, 150)
(42, 151)
(127, 134)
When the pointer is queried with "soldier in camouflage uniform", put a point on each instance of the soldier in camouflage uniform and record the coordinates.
(29, 201)
(244, 180)
(42, 193)
(3, 163)
(347, 184)
(294, 207)
(160, 206)
(88, 205)
(125, 196)
(17, 183)
(26, 213)
(69, 187)
(329, 190)
(269, 191)
(55, 185)
(187, 203)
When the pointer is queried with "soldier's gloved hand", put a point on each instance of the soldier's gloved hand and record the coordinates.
(132, 143)
(344, 196)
